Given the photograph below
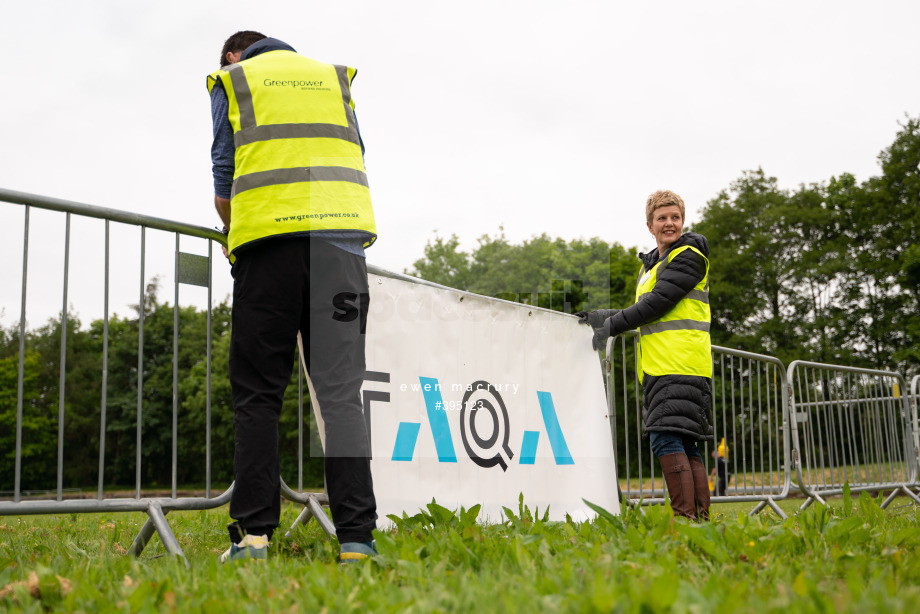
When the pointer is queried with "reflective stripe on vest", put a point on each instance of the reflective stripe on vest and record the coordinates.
(679, 342)
(298, 160)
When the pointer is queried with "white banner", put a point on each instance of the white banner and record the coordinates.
(474, 400)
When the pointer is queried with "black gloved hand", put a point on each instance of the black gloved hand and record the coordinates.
(595, 318)
(601, 334)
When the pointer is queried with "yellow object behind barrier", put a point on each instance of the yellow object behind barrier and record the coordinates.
(723, 449)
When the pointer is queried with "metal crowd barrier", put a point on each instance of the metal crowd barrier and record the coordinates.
(848, 426)
(190, 269)
(749, 416)
(915, 424)
(851, 427)
(813, 429)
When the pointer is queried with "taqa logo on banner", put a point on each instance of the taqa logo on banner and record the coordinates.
(482, 408)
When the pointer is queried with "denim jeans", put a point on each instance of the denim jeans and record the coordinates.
(664, 442)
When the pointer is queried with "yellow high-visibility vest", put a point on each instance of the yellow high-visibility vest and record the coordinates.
(678, 343)
(299, 166)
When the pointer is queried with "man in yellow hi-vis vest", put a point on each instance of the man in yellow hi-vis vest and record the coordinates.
(674, 353)
(720, 475)
(291, 189)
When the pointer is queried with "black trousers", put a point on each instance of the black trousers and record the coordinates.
(281, 286)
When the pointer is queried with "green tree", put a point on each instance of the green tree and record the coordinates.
(828, 272)
(883, 234)
(753, 255)
(37, 426)
(41, 400)
(161, 368)
(444, 264)
(542, 271)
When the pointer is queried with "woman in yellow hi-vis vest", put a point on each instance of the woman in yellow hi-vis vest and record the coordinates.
(674, 350)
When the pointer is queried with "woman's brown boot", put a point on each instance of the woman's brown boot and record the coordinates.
(700, 487)
(678, 477)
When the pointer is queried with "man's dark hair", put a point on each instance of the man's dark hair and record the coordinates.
(239, 42)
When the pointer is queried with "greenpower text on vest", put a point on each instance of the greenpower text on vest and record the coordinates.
(312, 216)
(292, 83)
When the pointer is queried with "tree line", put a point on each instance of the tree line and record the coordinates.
(83, 403)
(828, 272)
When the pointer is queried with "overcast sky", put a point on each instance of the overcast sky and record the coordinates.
(539, 117)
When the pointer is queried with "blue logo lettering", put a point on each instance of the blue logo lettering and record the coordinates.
(480, 399)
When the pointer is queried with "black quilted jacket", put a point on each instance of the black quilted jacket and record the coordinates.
(675, 403)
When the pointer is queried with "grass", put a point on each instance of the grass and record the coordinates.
(848, 557)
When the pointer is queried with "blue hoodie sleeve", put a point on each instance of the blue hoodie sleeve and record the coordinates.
(223, 151)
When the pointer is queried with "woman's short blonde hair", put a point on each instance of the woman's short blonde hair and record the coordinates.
(663, 198)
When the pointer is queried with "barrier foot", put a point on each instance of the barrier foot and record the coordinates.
(140, 542)
(313, 509)
(156, 521)
(812, 498)
(913, 496)
(305, 515)
(773, 506)
(779, 512)
(312, 502)
(890, 498)
(158, 516)
(324, 521)
(897, 491)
